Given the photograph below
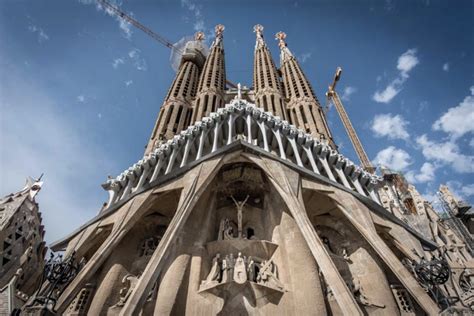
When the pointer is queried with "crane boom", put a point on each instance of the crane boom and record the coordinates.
(108, 6)
(359, 149)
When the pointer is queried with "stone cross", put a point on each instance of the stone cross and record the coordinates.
(239, 91)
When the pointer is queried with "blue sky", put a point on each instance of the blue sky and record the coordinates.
(80, 91)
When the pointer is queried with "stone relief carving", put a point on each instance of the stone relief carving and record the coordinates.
(149, 245)
(268, 275)
(226, 230)
(242, 269)
(466, 283)
(361, 297)
(130, 281)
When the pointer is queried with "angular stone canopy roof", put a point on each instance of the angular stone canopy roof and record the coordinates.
(269, 136)
(241, 120)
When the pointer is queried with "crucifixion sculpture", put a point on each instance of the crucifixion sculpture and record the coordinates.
(240, 207)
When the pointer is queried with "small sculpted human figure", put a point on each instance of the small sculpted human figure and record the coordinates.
(240, 271)
(251, 270)
(226, 277)
(215, 273)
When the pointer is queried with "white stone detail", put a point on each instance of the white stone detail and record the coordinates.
(241, 120)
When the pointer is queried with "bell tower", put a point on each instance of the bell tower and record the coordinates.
(211, 87)
(175, 113)
(266, 82)
(304, 108)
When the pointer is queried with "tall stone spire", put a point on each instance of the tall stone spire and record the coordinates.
(211, 87)
(268, 90)
(175, 113)
(304, 108)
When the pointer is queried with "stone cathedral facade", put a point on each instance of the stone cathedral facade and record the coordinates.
(242, 205)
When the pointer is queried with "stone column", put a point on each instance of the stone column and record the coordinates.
(110, 284)
(194, 301)
(373, 283)
(305, 283)
(170, 284)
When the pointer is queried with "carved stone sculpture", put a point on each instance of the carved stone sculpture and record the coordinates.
(130, 282)
(361, 297)
(215, 274)
(251, 270)
(240, 273)
(268, 275)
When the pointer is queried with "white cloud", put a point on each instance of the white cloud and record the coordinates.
(393, 158)
(117, 62)
(347, 92)
(137, 60)
(447, 153)
(42, 36)
(446, 67)
(36, 137)
(471, 142)
(468, 190)
(389, 5)
(199, 25)
(387, 94)
(391, 126)
(81, 98)
(304, 57)
(426, 174)
(128, 82)
(406, 62)
(125, 27)
(196, 11)
(458, 120)
(423, 105)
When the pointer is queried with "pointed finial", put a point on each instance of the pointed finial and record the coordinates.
(258, 29)
(199, 36)
(280, 36)
(219, 29)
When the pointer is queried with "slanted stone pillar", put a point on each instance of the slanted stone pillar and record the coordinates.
(304, 273)
(170, 284)
(108, 289)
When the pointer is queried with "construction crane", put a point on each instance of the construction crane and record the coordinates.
(333, 97)
(127, 18)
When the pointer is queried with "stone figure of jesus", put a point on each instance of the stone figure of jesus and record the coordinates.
(240, 207)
